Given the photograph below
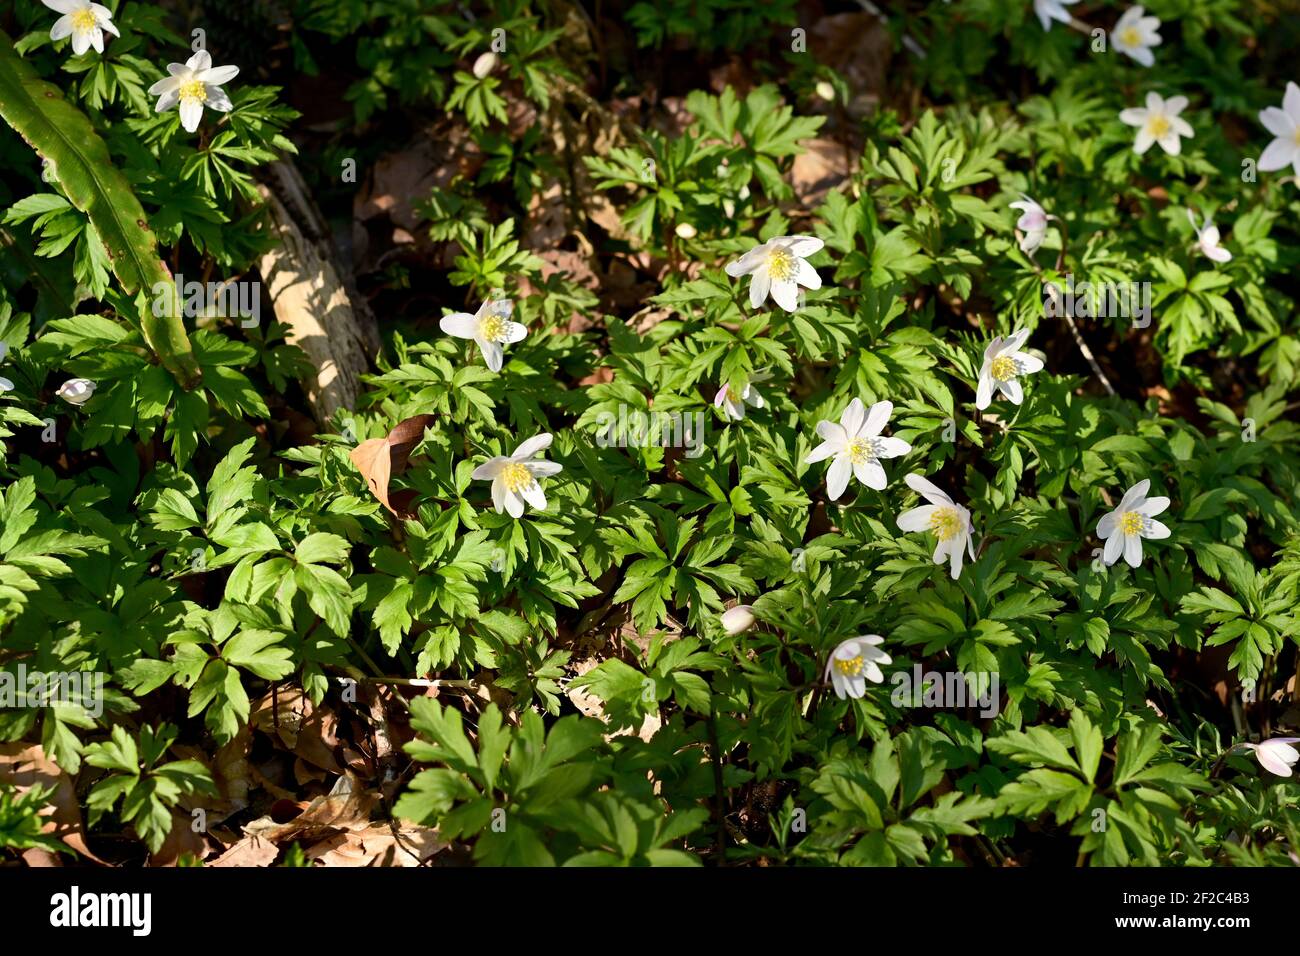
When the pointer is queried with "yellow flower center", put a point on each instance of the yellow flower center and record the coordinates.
(1003, 368)
(851, 667)
(1130, 522)
(1297, 135)
(494, 328)
(781, 265)
(1158, 126)
(83, 21)
(859, 450)
(516, 477)
(1131, 37)
(193, 91)
(945, 523)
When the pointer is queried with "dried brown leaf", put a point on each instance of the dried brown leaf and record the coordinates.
(378, 459)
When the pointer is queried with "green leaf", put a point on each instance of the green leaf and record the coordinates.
(62, 134)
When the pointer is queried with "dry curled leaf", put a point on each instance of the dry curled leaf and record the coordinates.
(25, 765)
(378, 459)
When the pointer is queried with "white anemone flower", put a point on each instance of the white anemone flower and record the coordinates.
(855, 662)
(1207, 239)
(779, 266)
(949, 522)
(733, 402)
(76, 391)
(1003, 364)
(194, 84)
(1132, 520)
(1134, 35)
(1158, 122)
(738, 619)
(1276, 756)
(84, 21)
(1284, 124)
(1033, 224)
(857, 446)
(491, 327)
(5, 384)
(514, 477)
(1049, 10)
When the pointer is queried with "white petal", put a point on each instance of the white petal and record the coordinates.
(837, 682)
(1114, 548)
(62, 28)
(892, 447)
(746, 263)
(168, 84)
(492, 354)
(533, 446)
(1152, 506)
(201, 60)
(219, 75)
(460, 324)
(853, 417)
(958, 554)
(1291, 101)
(928, 489)
(917, 519)
(871, 474)
(786, 294)
(490, 468)
(833, 433)
(1272, 762)
(1133, 116)
(191, 114)
(1279, 154)
(534, 495)
(1135, 495)
(759, 285)
(807, 276)
(1011, 388)
(1278, 122)
(80, 42)
(1028, 364)
(499, 495)
(516, 332)
(1106, 526)
(984, 391)
(837, 477)
(543, 469)
(823, 451)
(1132, 549)
(805, 246)
(877, 418)
(1155, 530)
(218, 100)
(167, 101)
(514, 505)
